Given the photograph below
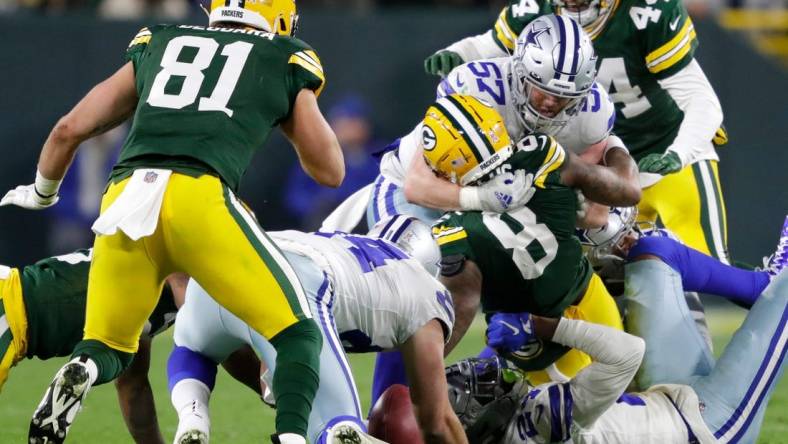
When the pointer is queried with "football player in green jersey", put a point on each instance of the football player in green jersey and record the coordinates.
(204, 99)
(666, 111)
(529, 256)
(42, 315)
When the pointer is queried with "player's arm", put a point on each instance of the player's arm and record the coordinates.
(614, 185)
(463, 279)
(136, 398)
(423, 354)
(106, 105)
(504, 192)
(314, 141)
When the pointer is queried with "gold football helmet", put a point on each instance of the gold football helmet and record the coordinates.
(276, 16)
(464, 138)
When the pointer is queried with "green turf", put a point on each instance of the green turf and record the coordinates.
(238, 415)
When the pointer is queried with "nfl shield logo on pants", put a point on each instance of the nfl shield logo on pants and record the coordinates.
(150, 177)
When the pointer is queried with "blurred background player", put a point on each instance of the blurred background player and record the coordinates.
(356, 286)
(172, 195)
(308, 201)
(667, 113)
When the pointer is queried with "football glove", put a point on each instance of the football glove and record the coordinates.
(442, 62)
(509, 332)
(663, 164)
(26, 196)
(503, 193)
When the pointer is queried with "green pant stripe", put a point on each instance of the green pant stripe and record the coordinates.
(708, 196)
(5, 342)
(288, 287)
(2, 308)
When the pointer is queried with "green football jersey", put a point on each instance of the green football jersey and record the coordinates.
(55, 293)
(639, 43)
(529, 258)
(209, 97)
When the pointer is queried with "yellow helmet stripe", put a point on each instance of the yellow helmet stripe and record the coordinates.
(440, 106)
(476, 122)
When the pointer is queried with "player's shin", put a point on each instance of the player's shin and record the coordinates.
(297, 375)
(191, 377)
(109, 362)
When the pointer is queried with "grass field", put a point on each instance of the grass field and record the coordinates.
(239, 416)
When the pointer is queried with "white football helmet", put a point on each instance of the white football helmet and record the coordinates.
(602, 241)
(413, 237)
(589, 13)
(554, 55)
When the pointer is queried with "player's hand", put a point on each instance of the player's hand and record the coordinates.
(667, 163)
(25, 196)
(509, 332)
(442, 62)
(504, 192)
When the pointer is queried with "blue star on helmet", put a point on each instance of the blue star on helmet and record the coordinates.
(532, 37)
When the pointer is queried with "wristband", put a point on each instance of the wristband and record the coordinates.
(46, 188)
(469, 199)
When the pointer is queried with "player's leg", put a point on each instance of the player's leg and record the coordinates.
(736, 392)
(657, 311)
(202, 341)
(13, 322)
(214, 239)
(596, 306)
(690, 204)
(124, 284)
(337, 402)
(388, 199)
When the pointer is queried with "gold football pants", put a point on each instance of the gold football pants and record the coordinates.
(13, 324)
(204, 231)
(689, 203)
(597, 306)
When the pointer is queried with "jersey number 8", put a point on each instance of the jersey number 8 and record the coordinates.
(520, 241)
(193, 77)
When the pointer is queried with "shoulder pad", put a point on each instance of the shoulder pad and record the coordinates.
(593, 122)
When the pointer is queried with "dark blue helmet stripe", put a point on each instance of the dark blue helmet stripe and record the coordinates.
(562, 53)
(576, 30)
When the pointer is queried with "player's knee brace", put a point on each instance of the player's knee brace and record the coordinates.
(297, 374)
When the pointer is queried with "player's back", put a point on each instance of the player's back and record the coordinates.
(209, 96)
(381, 295)
(529, 257)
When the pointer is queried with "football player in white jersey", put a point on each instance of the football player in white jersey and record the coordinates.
(687, 397)
(368, 295)
(546, 86)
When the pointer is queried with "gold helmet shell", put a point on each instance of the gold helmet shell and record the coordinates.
(276, 16)
(464, 138)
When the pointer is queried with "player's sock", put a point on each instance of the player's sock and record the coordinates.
(389, 370)
(109, 362)
(297, 375)
(186, 364)
(703, 273)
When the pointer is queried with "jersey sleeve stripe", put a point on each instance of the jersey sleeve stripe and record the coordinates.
(317, 71)
(310, 58)
(503, 33)
(668, 54)
(555, 158)
(444, 239)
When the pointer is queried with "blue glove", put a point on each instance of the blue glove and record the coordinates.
(509, 332)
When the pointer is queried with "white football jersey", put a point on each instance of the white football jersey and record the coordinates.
(381, 295)
(488, 80)
(592, 408)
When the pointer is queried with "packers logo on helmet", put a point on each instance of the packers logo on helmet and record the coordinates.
(464, 138)
(276, 16)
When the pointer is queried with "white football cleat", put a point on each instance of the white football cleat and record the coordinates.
(62, 401)
(779, 260)
(194, 425)
(346, 434)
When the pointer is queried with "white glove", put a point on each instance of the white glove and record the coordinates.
(36, 196)
(504, 192)
(25, 196)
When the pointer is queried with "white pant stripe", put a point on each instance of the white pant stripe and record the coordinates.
(275, 254)
(713, 209)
